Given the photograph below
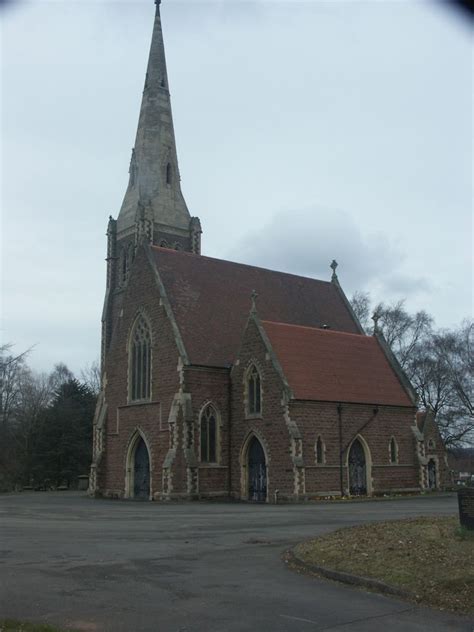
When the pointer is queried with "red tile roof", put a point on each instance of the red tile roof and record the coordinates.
(333, 366)
(211, 302)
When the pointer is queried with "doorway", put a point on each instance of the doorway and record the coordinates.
(357, 470)
(141, 471)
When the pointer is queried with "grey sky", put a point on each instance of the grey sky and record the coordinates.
(306, 131)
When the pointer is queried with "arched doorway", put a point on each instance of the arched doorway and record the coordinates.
(357, 469)
(257, 472)
(431, 474)
(141, 471)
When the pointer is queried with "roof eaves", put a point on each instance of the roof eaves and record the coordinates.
(167, 305)
(272, 354)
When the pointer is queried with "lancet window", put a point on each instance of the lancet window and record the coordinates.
(254, 391)
(140, 361)
(209, 435)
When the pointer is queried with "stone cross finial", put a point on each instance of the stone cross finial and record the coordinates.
(376, 318)
(254, 297)
(334, 265)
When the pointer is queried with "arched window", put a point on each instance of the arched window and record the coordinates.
(169, 173)
(254, 392)
(431, 444)
(164, 244)
(209, 435)
(319, 450)
(393, 448)
(140, 361)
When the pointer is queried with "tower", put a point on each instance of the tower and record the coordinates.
(153, 208)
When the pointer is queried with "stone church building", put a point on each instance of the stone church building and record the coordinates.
(225, 380)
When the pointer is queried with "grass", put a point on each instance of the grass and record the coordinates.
(10, 625)
(433, 558)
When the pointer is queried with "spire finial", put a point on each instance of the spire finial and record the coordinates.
(376, 318)
(334, 265)
(254, 297)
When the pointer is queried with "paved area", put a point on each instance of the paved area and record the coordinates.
(117, 566)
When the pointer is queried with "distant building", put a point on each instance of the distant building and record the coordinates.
(227, 380)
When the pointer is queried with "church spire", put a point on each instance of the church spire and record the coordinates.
(153, 198)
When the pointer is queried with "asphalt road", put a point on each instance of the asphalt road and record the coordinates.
(117, 566)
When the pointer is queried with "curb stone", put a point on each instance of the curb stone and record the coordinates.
(347, 578)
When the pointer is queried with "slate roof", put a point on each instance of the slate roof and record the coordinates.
(334, 366)
(211, 301)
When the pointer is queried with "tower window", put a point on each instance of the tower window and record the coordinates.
(140, 361)
(168, 173)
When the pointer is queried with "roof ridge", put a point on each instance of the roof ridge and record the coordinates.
(237, 263)
(318, 329)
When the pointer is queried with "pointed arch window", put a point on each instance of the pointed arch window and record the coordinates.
(140, 361)
(319, 451)
(254, 391)
(393, 449)
(208, 425)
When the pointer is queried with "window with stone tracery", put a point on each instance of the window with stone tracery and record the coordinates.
(254, 392)
(209, 437)
(140, 361)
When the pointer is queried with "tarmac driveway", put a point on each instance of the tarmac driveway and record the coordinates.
(117, 566)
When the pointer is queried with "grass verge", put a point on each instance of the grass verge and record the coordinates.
(431, 558)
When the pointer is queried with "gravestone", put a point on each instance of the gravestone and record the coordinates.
(466, 507)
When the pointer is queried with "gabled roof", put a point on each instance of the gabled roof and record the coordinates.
(211, 299)
(325, 365)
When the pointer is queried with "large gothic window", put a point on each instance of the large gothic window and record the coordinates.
(254, 392)
(209, 435)
(140, 361)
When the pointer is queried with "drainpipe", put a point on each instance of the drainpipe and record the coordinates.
(341, 478)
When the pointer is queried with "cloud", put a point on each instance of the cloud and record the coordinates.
(306, 241)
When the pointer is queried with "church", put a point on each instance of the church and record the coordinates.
(224, 380)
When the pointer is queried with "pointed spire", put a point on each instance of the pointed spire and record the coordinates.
(154, 174)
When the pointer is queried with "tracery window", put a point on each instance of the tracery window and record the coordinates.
(209, 435)
(393, 451)
(319, 451)
(140, 361)
(254, 392)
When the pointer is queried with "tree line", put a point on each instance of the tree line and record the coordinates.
(438, 362)
(45, 423)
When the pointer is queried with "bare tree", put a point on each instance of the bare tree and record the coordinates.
(405, 333)
(11, 368)
(361, 305)
(91, 377)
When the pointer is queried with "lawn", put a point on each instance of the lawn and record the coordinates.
(432, 558)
